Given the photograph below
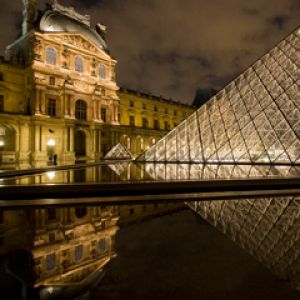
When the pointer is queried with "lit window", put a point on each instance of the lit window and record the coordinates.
(52, 107)
(131, 121)
(51, 80)
(1, 103)
(78, 64)
(50, 56)
(80, 110)
(103, 114)
(102, 71)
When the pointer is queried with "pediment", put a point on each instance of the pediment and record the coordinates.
(79, 41)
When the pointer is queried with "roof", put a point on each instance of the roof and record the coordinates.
(54, 21)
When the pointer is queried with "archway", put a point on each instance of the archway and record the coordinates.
(80, 143)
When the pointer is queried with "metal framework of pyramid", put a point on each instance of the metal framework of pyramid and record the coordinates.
(267, 228)
(118, 152)
(254, 119)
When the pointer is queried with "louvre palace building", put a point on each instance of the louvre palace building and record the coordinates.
(59, 96)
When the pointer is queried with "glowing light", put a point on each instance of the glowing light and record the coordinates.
(2, 143)
(50, 175)
(51, 142)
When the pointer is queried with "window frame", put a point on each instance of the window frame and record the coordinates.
(78, 64)
(51, 57)
(102, 71)
(52, 107)
(81, 109)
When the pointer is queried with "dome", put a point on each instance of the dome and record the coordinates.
(53, 21)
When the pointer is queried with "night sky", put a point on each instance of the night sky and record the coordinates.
(173, 47)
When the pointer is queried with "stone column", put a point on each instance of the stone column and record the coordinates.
(71, 139)
(43, 102)
(37, 138)
(72, 106)
(37, 104)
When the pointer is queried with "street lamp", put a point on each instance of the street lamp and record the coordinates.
(1, 149)
(51, 144)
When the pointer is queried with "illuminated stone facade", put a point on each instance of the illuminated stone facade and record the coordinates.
(58, 94)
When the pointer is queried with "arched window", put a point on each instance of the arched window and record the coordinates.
(78, 64)
(50, 56)
(102, 71)
(80, 212)
(80, 110)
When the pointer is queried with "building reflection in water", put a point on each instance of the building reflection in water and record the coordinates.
(267, 228)
(62, 252)
(57, 250)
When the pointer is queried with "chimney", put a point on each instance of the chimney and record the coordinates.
(29, 9)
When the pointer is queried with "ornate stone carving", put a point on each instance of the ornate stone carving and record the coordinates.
(70, 11)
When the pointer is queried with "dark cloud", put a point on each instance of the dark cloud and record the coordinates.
(173, 47)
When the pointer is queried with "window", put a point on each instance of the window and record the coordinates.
(145, 123)
(103, 114)
(50, 56)
(102, 245)
(166, 110)
(1, 217)
(131, 103)
(78, 252)
(80, 110)
(167, 125)
(80, 212)
(51, 213)
(102, 71)
(50, 262)
(52, 107)
(131, 211)
(78, 64)
(156, 124)
(1, 76)
(155, 108)
(175, 113)
(1, 103)
(131, 121)
(51, 80)
(144, 106)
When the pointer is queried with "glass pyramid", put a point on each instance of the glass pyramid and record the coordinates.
(254, 119)
(267, 228)
(118, 152)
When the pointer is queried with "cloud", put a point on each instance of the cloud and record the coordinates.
(173, 47)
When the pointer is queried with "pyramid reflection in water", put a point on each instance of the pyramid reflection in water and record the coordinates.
(267, 228)
(254, 119)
